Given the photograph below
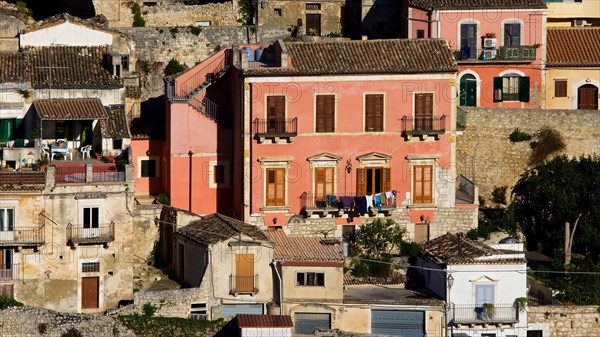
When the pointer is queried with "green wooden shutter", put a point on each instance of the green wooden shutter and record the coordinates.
(524, 89)
(497, 89)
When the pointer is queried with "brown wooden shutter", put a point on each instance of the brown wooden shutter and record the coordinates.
(325, 114)
(244, 272)
(423, 111)
(270, 187)
(423, 184)
(560, 88)
(374, 112)
(387, 180)
(320, 183)
(361, 181)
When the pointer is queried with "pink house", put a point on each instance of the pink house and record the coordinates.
(499, 47)
(325, 135)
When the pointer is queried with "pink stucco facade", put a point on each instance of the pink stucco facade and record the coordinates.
(149, 149)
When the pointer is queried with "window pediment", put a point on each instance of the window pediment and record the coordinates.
(323, 159)
(374, 158)
(484, 278)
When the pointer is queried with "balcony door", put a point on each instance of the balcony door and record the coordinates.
(373, 180)
(6, 257)
(275, 114)
(587, 97)
(91, 222)
(7, 224)
(244, 273)
(424, 112)
(468, 40)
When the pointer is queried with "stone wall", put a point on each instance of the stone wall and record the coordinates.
(486, 156)
(172, 303)
(28, 321)
(565, 321)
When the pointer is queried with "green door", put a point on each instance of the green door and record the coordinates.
(468, 90)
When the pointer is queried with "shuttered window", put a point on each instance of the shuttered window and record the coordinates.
(511, 88)
(219, 174)
(423, 184)
(374, 113)
(324, 177)
(275, 114)
(560, 88)
(148, 168)
(373, 180)
(424, 111)
(325, 113)
(275, 187)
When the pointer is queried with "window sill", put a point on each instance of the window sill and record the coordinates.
(275, 208)
(418, 206)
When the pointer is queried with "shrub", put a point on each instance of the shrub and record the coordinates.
(174, 31)
(410, 249)
(473, 234)
(138, 20)
(195, 30)
(163, 199)
(174, 67)
(549, 141)
(149, 309)
(7, 302)
(72, 332)
(519, 136)
(499, 194)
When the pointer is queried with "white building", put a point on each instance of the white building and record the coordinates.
(483, 286)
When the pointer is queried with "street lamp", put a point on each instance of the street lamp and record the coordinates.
(450, 280)
(449, 284)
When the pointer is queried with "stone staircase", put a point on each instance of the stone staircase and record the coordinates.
(150, 278)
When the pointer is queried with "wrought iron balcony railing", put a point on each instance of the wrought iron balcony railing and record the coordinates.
(475, 314)
(9, 272)
(275, 128)
(22, 236)
(90, 234)
(423, 126)
(243, 284)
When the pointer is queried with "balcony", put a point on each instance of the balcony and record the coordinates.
(90, 234)
(275, 129)
(243, 285)
(70, 173)
(504, 54)
(23, 236)
(423, 127)
(470, 314)
(340, 205)
(9, 272)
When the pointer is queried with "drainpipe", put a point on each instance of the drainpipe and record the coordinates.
(190, 185)
(274, 263)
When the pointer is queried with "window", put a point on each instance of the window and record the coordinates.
(420, 34)
(310, 279)
(148, 168)
(374, 113)
(275, 187)
(91, 217)
(512, 34)
(90, 267)
(325, 114)
(117, 144)
(511, 87)
(6, 267)
(277, 11)
(324, 177)
(373, 180)
(468, 41)
(560, 88)
(423, 184)
(7, 219)
(198, 311)
(125, 62)
(219, 174)
(484, 293)
(423, 112)
(276, 114)
(313, 7)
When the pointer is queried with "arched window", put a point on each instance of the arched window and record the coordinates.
(511, 87)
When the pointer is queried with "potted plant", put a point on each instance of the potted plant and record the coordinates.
(521, 303)
(490, 35)
(488, 309)
(42, 163)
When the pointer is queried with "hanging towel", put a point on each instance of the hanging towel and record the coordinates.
(391, 198)
(347, 202)
(369, 199)
(362, 205)
(378, 201)
(332, 200)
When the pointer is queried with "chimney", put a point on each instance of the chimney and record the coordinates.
(460, 242)
(364, 37)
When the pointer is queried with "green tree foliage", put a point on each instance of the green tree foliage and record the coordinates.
(138, 20)
(246, 12)
(174, 67)
(380, 237)
(7, 302)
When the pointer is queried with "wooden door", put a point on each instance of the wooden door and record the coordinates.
(275, 114)
(421, 232)
(587, 97)
(313, 24)
(89, 292)
(424, 112)
(244, 272)
(468, 90)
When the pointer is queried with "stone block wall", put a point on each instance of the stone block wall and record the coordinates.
(565, 321)
(486, 156)
(172, 303)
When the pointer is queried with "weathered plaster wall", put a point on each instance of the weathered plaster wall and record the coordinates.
(486, 156)
(565, 321)
(285, 12)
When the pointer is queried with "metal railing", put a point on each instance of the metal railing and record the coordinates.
(467, 187)
(22, 236)
(205, 73)
(474, 314)
(517, 53)
(347, 201)
(105, 174)
(69, 173)
(423, 124)
(276, 127)
(504, 53)
(207, 107)
(9, 272)
(90, 233)
(243, 284)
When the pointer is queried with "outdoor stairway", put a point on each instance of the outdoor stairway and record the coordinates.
(204, 74)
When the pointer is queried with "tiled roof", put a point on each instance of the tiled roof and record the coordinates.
(13, 68)
(458, 249)
(405, 56)
(296, 249)
(215, 227)
(116, 126)
(573, 47)
(12, 181)
(70, 67)
(70, 109)
(476, 4)
(264, 321)
(98, 22)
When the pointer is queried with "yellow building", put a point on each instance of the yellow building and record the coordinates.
(573, 68)
(573, 13)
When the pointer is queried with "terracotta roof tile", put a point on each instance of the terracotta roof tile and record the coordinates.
(365, 57)
(476, 4)
(22, 180)
(458, 249)
(116, 126)
(70, 109)
(215, 227)
(98, 22)
(295, 249)
(70, 67)
(264, 321)
(573, 47)
(13, 68)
